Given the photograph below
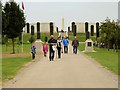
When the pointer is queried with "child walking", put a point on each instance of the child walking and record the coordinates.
(33, 48)
(45, 49)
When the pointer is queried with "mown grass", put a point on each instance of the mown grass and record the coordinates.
(81, 37)
(108, 59)
(11, 66)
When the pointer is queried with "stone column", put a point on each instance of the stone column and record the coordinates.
(38, 30)
(32, 30)
(28, 28)
(86, 30)
(75, 30)
(87, 35)
(73, 23)
(97, 29)
(51, 28)
(86, 27)
(92, 30)
(57, 29)
(68, 29)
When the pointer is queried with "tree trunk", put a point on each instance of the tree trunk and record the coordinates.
(117, 46)
(6, 47)
(13, 45)
(108, 46)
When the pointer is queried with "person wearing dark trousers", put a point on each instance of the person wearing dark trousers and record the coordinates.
(65, 44)
(52, 42)
(33, 48)
(59, 47)
(65, 49)
(75, 44)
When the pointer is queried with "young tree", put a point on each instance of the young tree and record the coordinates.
(15, 21)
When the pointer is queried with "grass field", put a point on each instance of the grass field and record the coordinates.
(10, 66)
(81, 37)
(108, 59)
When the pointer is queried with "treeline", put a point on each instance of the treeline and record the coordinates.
(110, 34)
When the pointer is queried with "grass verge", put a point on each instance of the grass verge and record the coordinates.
(10, 66)
(108, 59)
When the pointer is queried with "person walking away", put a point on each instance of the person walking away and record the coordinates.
(33, 48)
(52, 42)
(45, 49)
(59, 47)
(65, 44)
(75, 44)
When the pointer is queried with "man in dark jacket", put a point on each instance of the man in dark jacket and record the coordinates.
(75, 44)
(52, 42)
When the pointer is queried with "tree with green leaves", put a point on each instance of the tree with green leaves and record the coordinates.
(110, 33)
(13, 21)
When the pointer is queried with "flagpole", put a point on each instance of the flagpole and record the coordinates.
(22, 42)
(23, 30)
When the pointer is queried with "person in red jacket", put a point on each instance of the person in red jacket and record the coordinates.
(45, 49)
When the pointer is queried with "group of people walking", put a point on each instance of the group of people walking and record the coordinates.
(61, 44)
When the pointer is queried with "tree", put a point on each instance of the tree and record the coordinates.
(110, 33)
(14, 21)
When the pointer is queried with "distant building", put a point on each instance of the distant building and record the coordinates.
(81, 27)
(45, 27)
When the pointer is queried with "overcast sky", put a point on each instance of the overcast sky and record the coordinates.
(72, 10)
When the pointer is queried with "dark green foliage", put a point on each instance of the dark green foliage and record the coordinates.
(13, 21)
(32, 39)
(46, 39)
(110, 34)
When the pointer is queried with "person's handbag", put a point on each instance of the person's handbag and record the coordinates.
(54, 48)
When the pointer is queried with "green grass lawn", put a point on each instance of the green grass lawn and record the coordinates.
(26, 37)
(26, 44)
(108, 59)
(81, 37)
(18, 49)
(10, 66)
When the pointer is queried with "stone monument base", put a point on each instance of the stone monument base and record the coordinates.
(89, 46)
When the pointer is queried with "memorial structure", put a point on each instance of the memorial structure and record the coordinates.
(89, 46)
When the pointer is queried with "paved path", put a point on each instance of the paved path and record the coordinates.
(72, 71)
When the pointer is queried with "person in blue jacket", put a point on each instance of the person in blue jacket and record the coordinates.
(65, 44)
(33, 50)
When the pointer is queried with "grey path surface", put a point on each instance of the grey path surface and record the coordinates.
(72, 71)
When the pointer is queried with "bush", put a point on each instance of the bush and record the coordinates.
(32, 39)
